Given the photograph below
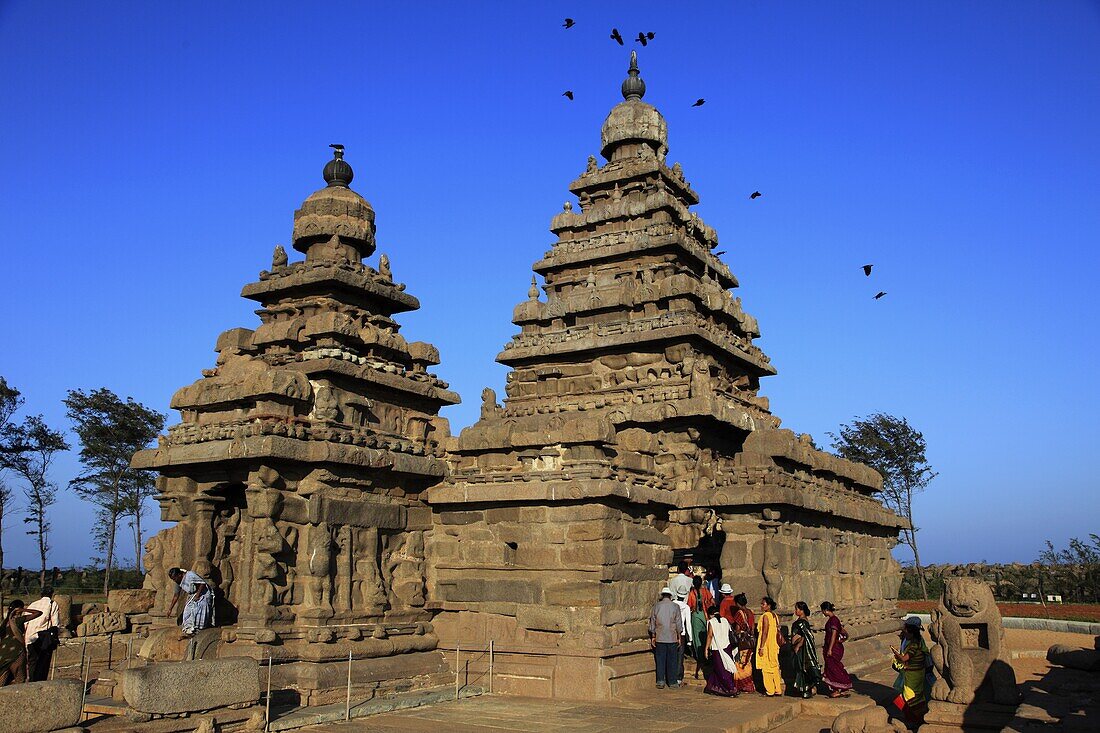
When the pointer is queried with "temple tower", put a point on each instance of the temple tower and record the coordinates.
(296, 474)
(633, 429)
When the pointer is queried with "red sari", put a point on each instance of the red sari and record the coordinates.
(744, 627)
(836, 677)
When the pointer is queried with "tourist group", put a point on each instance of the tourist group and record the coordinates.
(737, 651)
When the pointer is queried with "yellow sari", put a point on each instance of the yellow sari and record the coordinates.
(767, 652)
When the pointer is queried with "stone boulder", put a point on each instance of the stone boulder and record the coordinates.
(1074, 657)
(39, 707)
(106, 622)
(64, 603)
(132, 601)
(172, 688)
(872, 719)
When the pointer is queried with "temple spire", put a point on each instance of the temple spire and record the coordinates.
(633, 86)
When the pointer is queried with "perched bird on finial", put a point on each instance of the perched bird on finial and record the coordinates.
(719, 253)
(880, 294)
(699, 102)
(644, 38)
(616, 37)
(755, 195)
(568, 93)
(278, 258)
(338, 149)
(569, 23)
(867, 270)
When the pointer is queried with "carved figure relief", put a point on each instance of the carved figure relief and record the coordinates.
(318, 562)
(325, 406)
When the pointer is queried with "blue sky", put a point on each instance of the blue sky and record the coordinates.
(152, 154)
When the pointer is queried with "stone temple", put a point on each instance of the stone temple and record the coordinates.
(313, 480)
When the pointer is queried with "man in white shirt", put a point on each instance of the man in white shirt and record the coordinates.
(41, 636)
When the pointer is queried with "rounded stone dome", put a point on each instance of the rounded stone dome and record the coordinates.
(634, 121)
(335, 210)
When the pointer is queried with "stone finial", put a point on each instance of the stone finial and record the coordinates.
(384, 267)
(337, 171)
(533, 291)
(633, 86)
(592, 165)
(278, 257)
(567, 206)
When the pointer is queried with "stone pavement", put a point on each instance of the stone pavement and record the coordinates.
(688, 709)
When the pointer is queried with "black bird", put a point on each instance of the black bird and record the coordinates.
(867, 270)
(616, 37)
(699, 102)
(716, 254)
(880, 294)
(568, 93)
(755, 195)
(337, 147)
(569, 23)
(644, 38)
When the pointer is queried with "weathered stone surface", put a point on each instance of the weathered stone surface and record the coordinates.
(64, 603)
(39, 707)
(871, 719)
(105, 622)
(131, 601)
(1073, 657)
(169, 688)
(970, 657)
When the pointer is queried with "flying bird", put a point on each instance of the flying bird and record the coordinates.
(880, 294)
(616, 37)
(569, 23)
(699, 102)
(644, 38)
(867, 270)
(755, 195)
(568, 93)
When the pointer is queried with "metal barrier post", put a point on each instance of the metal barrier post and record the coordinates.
(110, 649)
(458, 665)
(347, 701)
(84, 679)
(491, 666)
(129, 650)
(267, 712)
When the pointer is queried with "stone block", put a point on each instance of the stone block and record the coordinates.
(590, 554)
(39, 707)
(106, 622)
(537, 618)
(64, 603)
(172, 688)
(573, 593)
(131, 602)
(1074, 658)
(594, 530)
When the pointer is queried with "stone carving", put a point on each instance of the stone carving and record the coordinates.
(384, 268)
(969, 654)
(105, 622)
(592, 166)
(533, 291)
(278, 259)
(369, 591)
(871, 719)
(489, 405)
(325, 405)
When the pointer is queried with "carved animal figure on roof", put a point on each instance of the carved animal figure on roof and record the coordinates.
(969, 653)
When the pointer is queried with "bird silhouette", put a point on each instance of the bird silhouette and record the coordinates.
(722, 252)
(337, 147)
(867, 270)
(644, 38)
(616, 37)
(699, 102)
(880, 294)
(569, 23)
(568, 93)
(755, 195)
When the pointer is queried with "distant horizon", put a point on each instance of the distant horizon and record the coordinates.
(153, 157)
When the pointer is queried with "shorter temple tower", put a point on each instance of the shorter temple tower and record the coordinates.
(296, 474)
(634, 432)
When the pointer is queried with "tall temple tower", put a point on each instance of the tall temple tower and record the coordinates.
(296, 474)
(633, 429)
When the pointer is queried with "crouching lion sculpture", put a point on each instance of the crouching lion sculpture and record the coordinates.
(969, 653)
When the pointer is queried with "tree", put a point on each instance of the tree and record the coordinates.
(1074, 571)
(10, 401)
(895, 449)
(111, 431)
(29, 450)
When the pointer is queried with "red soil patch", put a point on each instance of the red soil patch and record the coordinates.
(1063, 611)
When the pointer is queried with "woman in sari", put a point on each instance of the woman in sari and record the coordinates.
(699, 601)
(911, 663)
(744, 631)
(721, 649)
(198, 611)
(807, 667)
(836, 677)
(767, 647)
(13, 648)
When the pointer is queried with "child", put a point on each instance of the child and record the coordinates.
(787, 668)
